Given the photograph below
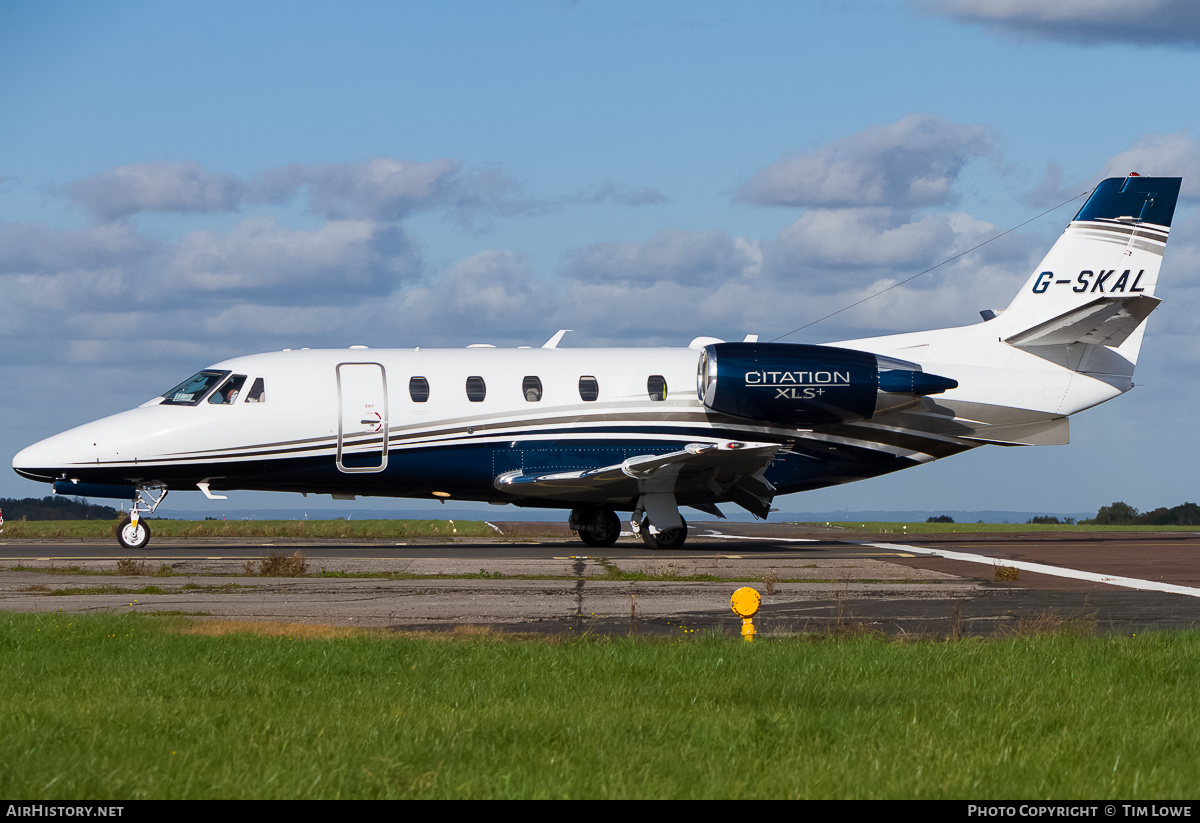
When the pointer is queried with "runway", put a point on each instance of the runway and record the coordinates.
(810, 579)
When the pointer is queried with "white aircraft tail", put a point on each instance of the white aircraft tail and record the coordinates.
(1096, 285)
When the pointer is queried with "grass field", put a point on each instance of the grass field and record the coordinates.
(130, 706)
(449, 529)
(992, 528)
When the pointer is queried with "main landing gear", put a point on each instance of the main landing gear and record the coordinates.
(599, 527)
(133, 532)
(667, 539)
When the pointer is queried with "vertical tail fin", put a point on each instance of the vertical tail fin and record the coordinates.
(1097, 284)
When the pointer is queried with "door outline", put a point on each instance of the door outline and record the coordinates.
(362, 383)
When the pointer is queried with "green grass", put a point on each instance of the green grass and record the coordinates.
(447, 529)
(126, 707)
(880, 527)
(83, 590)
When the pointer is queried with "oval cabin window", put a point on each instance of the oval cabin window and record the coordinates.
(476, 389)
(418, 389)
(656, 387)
(531, 388)
(589, 389)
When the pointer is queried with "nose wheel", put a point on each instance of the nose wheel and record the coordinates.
(133, 536)
(133, 532)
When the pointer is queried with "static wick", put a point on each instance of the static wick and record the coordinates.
(745, 603)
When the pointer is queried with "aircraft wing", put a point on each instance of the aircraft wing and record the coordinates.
(698, 475)
(1107, 320)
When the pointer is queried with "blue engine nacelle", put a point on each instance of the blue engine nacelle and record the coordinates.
(806, 385)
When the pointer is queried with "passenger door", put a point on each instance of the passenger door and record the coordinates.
(362, 417)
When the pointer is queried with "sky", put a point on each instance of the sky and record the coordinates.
(183, 183)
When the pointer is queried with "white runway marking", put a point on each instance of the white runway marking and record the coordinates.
(1039, 568)
(712, 533)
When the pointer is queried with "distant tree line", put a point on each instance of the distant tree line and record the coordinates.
(55, 508)
(1122, 514)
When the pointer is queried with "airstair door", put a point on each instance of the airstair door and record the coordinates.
(362, 417)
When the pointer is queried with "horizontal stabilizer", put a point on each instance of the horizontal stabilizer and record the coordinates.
(1056, 432)
(987, 423)
(1106, 320)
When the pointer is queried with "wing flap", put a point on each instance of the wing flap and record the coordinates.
(698, 475)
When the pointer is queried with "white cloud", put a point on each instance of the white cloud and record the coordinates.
(913, 162)
(623, 195)
(1153, 155)
(334, 262)
(379, 189)
(858, 238)
(388, 190)
(1167, 155)
(1143, 22)
(156, 186)
(382, 189)
(690, 257)
(33, 247)
(494, 292)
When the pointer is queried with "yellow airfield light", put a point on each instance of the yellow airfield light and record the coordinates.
(745, 603)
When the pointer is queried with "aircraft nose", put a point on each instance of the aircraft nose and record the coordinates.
(37, 462)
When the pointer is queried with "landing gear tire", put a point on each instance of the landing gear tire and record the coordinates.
(132, 537)
(598, 528)
(668, 539)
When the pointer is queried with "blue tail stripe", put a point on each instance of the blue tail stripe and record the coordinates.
(1148, 199)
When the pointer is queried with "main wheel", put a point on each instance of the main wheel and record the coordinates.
(133, 537)
(668, 539)
(598, 528)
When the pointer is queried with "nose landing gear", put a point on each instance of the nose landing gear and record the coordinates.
(133, 533)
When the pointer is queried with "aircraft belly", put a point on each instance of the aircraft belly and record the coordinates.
(468, 470)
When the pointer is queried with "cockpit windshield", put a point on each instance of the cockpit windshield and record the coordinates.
(228, 392)
(191, 391)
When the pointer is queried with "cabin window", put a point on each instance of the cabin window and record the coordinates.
(258, 392)
(589, 389)
(656, 387)
(228, 393)
(418, 389)
(531, 387)
(191, 391)
(476, 389)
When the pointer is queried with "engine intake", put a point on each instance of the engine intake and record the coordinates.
(808, 385)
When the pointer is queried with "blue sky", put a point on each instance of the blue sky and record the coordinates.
(180, 183)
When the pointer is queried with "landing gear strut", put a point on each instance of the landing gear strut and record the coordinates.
(133, 532)
(597, 526)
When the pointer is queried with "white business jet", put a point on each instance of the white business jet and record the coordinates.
(643, 431)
